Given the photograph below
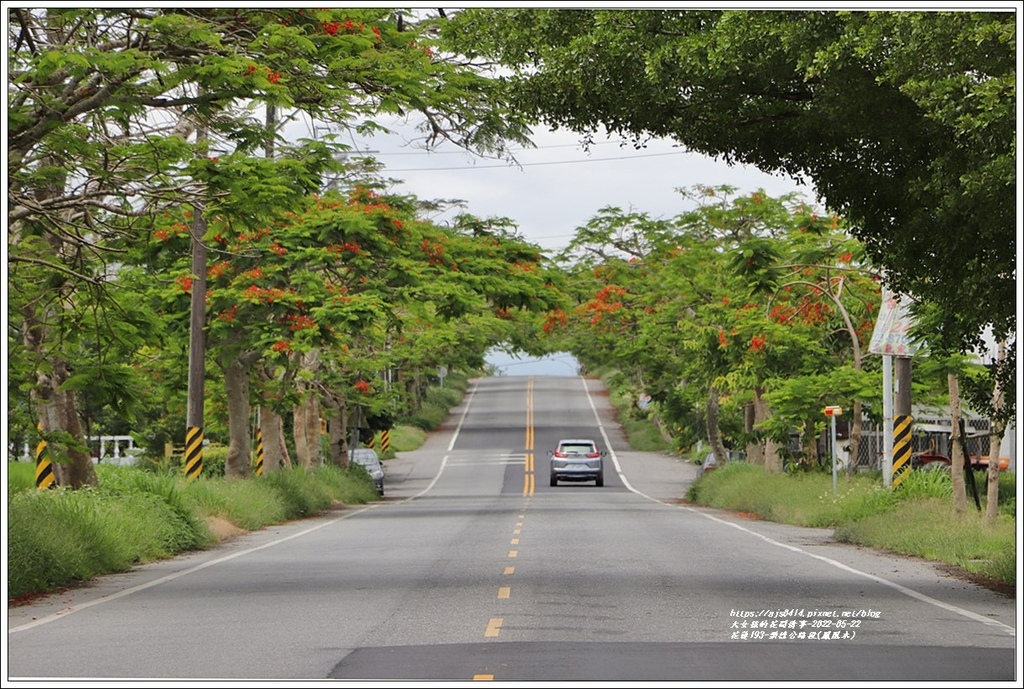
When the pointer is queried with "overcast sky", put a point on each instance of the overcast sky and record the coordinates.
(558, 186)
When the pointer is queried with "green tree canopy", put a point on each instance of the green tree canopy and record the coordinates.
(905, 122)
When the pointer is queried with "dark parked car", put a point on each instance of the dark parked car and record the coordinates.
(577, 459)
(368, 459)
(933, 460)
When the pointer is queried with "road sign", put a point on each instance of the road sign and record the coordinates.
(892, 329)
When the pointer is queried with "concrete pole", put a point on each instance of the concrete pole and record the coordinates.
(887, 420)
(835, 468)
(903, 382)
(196, 341)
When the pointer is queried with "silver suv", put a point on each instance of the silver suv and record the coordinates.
(368, 459)
(577, 459)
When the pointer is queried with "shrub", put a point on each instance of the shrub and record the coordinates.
(405, 438)
(60, 537)
(20, 476)
(250, 504)
(301, 493)
(429, 417)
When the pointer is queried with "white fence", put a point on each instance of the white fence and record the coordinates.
(121, 448)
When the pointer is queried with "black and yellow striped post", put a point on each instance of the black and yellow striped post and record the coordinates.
(45, 477)
(259, 452)
(385, 440)
(193, 452)
(902, 447)
(372, 442)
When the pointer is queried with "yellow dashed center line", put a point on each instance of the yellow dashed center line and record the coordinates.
(504, 592)
(513, 553)
(493, 627)
(483, 678)
(509, 570)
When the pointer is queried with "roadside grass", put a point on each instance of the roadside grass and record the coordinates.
(643, 435)
(250, 504)
(59, 538)
(930, 528)
(640, 431)
(438, 401)
(915, 519)
(405, 438)
(20, 476)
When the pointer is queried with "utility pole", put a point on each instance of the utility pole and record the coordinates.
(832, 412)
(891, 339)
(197, 339)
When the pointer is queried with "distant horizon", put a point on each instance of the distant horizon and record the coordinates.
(559, 364)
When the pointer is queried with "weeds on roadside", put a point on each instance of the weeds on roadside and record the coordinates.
(61, 537)
(917, 518)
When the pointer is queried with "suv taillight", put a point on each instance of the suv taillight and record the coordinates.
(561, 455)
(593, 455)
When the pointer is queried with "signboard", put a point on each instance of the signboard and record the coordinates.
(892, 329)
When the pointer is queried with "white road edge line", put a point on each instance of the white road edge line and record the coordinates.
(835, 563)
(177, 575)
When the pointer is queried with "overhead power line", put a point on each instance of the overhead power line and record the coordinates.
(553, 162)
(619, 143)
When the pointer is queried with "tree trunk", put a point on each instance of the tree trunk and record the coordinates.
(809, 443)
(714, 434)
(956, 451)
(772, 454)
(856, 422)
(752, 415)
(770, 457)
(306, 418)
(336, 427)
(992, 485)
(299, 429)
(996, 429)
(275, 447)
(753, 449)
(314, 431)
(58, 411)
(275, 451)
(236, 384)
(856, 429)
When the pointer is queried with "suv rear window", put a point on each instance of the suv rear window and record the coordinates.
(582, 449)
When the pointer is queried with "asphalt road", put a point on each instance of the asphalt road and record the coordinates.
(473, 568)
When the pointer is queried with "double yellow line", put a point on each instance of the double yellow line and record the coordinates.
(529, 480)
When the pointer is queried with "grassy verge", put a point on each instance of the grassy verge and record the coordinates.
(917, 519)
(640, 430)
(60, 538)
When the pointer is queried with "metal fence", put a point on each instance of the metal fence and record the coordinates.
(931, 435)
